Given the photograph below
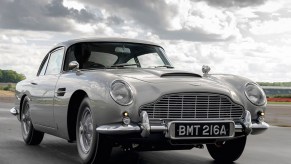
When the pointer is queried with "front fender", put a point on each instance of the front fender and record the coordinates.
(238, 83)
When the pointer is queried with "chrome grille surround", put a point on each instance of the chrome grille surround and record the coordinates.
(193, 106)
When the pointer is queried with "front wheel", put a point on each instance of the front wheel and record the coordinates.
(92, 147)
(29, 134)
(227, 151)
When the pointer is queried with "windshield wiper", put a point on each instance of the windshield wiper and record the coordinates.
(166, 66)
(123, 64)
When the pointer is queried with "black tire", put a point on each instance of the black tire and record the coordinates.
(97, 148)
(29, 134)
(228, 151)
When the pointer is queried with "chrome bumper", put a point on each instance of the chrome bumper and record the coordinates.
(13, 111)
(144, 128)
(258, 128)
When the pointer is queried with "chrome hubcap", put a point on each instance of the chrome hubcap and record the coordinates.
(86, 130)
(26, 121)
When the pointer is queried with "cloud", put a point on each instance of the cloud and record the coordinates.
(19, 55)
(250, 38)
(40, 15)
(280, 26)
(179, 20)
(234, 3)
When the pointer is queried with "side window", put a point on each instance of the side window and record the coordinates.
(43, 66)
(55, 62)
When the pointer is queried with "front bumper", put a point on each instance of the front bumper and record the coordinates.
(14, 111)
(144, 128)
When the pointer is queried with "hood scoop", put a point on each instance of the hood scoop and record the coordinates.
(175, 74)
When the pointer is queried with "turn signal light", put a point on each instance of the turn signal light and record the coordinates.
(126, 120)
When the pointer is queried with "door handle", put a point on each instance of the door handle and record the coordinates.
(33, 83)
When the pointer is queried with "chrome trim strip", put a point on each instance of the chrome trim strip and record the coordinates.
(160, 128)
(118, 129)
(13, 111)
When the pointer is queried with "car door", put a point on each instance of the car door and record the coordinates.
(42, 105)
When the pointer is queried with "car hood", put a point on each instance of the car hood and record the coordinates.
(165, 81)
(156, 75)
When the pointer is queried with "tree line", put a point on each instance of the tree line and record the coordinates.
(10, 76)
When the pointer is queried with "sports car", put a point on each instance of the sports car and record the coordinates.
(114, 92)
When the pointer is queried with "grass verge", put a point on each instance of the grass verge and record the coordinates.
(6, 93)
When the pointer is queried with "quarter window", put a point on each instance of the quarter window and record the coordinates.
(43, 68)
(55, 62)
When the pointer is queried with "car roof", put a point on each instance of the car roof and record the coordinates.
(119, 40)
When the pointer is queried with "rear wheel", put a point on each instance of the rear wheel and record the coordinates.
(29, 134)
(92, 147)
(227, 151)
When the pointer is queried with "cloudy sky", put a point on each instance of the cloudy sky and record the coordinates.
(251, 38)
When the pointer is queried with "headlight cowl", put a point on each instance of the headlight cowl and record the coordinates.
(255, 94)
(121, 92)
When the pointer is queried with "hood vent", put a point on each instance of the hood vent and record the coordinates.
(180, 74)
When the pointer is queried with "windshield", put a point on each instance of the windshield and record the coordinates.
(116, 55)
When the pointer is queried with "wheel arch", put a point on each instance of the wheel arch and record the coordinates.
(72, 113)
(21, 103)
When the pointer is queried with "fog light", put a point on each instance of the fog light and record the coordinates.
(126, 120)
(125, 114)
(260, 113)
(260, 116)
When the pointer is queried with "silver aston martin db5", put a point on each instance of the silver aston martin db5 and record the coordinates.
(105, 93)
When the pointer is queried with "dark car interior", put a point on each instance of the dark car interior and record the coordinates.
(110, 55)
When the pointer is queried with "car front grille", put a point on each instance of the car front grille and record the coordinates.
(194, 106)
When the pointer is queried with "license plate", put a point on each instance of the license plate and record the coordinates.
(202, 129)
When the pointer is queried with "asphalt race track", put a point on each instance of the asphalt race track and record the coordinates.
(272, 147)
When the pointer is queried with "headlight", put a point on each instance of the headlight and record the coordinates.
(255, 94)
(121, 93)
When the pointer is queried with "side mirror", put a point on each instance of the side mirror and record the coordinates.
(73, 65)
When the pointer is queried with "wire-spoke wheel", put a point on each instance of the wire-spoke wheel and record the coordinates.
(227, 151)
(29, 134)
(26, 120)
(86, 130)
(92, 147)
